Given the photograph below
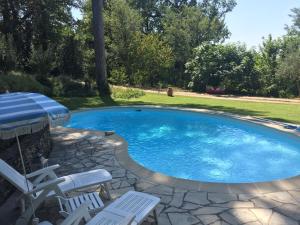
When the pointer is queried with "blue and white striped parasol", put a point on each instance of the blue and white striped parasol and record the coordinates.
(25, 113)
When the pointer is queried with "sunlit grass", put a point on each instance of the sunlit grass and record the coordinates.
(277, 111)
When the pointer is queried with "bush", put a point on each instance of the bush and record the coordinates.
(118, 76)
(16, 81)
(127, 93)
(64, 86)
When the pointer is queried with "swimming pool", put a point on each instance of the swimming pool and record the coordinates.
(198, 146)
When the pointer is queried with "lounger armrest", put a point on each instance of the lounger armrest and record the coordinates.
(49, 185)
(45, 170)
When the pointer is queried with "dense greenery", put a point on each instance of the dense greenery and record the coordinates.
(151, 43)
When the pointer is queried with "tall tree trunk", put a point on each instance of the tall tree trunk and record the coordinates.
(98, 28)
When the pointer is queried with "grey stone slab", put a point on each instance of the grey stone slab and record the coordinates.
(118, 192)
(208, 219)
(263, 215)
(295, 195)
(235, 204)
(182, 219)
(197, 198)
(264, 202)
(238, 216)
(160, 189)
(283, 197)
(290, 210)
(208, 210)
(118, 173)
(142, 185)
(189, 206)
(174, 209)
(221, 197)
(279, 219)
(177, 199)
(163, 219)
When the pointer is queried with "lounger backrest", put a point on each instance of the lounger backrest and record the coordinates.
(14, 177)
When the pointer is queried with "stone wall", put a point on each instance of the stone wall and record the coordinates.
(32, 145)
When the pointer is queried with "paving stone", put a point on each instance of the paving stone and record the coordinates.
(283, 197)
(235, 204)
(188, 206)
(290, 210)
(182, 219)
(163, 219)
(142, 185)
(118, 192)
(264, 202)
(295, 195)
(177, 199)
(238, 216)
(159, 208)
(208, 219)
(165, 199)
(208, 210)
(197, 198)
(254, 223)
(118, 173)
(174, 209)
(160, 189)
(279, 219)
(263, 215)
(221, 197)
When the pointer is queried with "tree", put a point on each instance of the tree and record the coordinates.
(267, 64)
(186, 29)
(230, 65)
(151, 58)
(289, 64)
(98, 28)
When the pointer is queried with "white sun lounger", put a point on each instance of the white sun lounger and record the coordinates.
(71, 182)
(102, 218)
(46, 183)
(132, 208)
(134, 203)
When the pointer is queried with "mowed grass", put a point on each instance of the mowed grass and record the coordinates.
(284, 112)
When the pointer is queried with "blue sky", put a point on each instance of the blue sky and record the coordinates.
(250, 20)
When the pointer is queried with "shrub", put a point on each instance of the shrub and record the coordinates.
(64, 86)
(16, 81)
(127, 93)
(118, 76)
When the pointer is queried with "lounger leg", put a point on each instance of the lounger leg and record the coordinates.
(107, 191)
(155, 217)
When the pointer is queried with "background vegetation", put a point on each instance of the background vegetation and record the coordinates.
(151, 43)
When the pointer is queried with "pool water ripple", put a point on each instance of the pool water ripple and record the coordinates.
(198, 146)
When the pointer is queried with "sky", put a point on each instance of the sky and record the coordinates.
(251, 20)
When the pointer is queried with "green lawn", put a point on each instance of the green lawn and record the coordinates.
(282, 112)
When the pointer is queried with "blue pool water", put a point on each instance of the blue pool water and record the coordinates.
(199, 146)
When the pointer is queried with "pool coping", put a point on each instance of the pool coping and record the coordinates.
(127, 162)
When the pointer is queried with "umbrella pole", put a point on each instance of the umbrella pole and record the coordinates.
(24, 170)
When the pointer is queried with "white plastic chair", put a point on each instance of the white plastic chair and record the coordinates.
(45, 184)
(103, 218)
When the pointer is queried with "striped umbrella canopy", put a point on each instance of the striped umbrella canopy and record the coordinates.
(25, 113)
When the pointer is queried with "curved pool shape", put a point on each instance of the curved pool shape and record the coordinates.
(198, 146)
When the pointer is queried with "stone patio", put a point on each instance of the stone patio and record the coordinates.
(78, 151)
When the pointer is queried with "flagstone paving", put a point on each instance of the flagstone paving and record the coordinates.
(78, 151)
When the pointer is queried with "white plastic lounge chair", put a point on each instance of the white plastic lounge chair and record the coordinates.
(71, 182)
(131, 208)
(103, 218)
(134, 203)
(46, 184)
